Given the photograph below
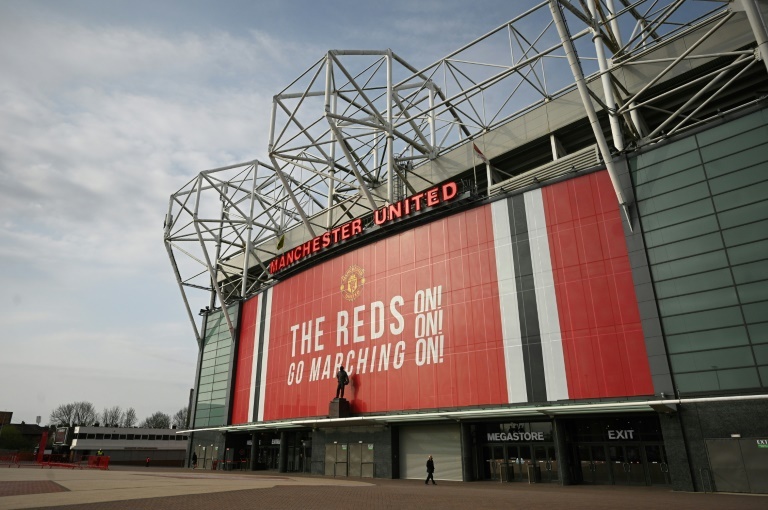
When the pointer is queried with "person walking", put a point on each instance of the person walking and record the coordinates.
(343, 380)
(194, 460)
(430, 471)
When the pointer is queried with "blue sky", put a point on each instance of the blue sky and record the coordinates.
(106, 108)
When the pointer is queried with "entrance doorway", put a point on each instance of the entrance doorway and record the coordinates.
(355, 459)
(520, 462)
(623, 464)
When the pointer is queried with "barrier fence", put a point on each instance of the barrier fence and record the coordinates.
(20, 460)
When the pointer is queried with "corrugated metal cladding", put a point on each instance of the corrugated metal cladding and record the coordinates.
(442, 442)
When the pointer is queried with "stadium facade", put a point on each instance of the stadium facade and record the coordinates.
(543, 258)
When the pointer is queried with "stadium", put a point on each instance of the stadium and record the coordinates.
(541, 259)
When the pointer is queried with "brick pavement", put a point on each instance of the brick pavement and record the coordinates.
(308, 493)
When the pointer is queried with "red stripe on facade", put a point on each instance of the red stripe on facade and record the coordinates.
(244, 365)
(603, 341)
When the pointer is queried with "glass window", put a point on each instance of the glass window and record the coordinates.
(740, 179)
(748, 252)
(764, 375)
(220, 385)
(659, 170)
(695, 283)
(696, 302)
(743, 215)
(204, 396)
(761, 354)
(701, 321)
(205, 387)
(740, 197)
(749, 157)
(753, 292)
(677, 215)
(206, 371)
(746, 233)
(207, 379)
(218, 394)
(693, 228)
(739, 378)
(752, 272)
(756, 312)
(733, 128)
(758, 333)
(220, 377)
(702, 340)
(208, 363)
(712, 360)
(670, 182)
(687, 248)
(713, 380)
(735, 144)
(673, 199)
(666, 152)
(689, 266)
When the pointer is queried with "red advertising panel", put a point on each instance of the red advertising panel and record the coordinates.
(413, 318)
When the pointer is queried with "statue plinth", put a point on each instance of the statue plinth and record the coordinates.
(339, 408)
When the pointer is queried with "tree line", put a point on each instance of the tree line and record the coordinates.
(85, 414)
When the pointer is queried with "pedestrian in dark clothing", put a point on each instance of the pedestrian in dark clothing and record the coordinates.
(343, 380)
(430, 471)
(147, 462)
(194, 461)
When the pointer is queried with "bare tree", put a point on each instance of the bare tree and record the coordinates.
(84, 413)
(75, 413)
(62, 415)
(159, 420)
(129, 418)
(112, 416)
(180, 418)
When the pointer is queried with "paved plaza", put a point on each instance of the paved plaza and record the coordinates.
(160, 489)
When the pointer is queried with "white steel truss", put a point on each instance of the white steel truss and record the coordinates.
(362, 128)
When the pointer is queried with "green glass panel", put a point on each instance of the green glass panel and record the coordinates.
(670, 182)
(740, 378)
(666, 152)
(220, 385)
(700, 321)
(678, 215)
(755, 312)
(753, 272)
(697, 302)
(691, 265)
(712, 360)
(687, 248)
(740, 179)
(693, 228)
(218, 394)
(204, 396)
(674, 199)
(207, 379)
(208, 363)
(220, 377)
(206, 371)
(735, 144)
(743, 215)
(764, 375)
(225, 349)
(205, 387)
(657, 171)
(695, 283)
(746, 233)
(740, 197)
(209, 354)
(703, 340)
(761, 354)
(751, 292)
(219, 402)
(758, 333)
(697, 382)
(733, 128)
(754, 156)
(748, 252)
(219, 369)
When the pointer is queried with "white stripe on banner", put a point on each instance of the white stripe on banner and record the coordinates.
(255, 363)
(546, 301)
(510, 316)
(265, 358)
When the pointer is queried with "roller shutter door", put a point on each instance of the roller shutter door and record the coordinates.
(443, 442)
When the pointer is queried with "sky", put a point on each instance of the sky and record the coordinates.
(106, 109)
